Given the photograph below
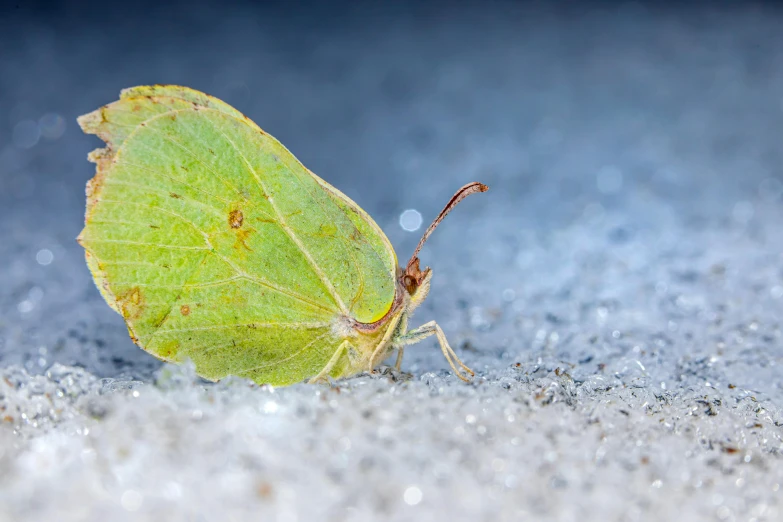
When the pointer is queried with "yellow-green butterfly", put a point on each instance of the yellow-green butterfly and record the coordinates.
(213, 242)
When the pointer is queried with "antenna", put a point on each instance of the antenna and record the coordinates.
(467, 190)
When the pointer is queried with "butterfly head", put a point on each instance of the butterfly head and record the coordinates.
(413, 277)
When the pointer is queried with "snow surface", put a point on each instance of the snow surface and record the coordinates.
(619, 289)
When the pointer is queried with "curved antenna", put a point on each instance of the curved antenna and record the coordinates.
(467, 190)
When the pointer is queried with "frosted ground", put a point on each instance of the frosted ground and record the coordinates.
(619, 290)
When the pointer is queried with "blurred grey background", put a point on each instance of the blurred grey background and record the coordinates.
(633, 152)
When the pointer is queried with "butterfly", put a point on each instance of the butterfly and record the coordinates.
(216, 244)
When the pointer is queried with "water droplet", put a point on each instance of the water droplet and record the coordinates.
(35, 294)
(593, 211)
(479, 320)
(44, 257)
(410, 220)
(345, 443)
(270, 407)
(88, 455)
(26, 134)
(509, 295)
(412, 495)
(52, 126)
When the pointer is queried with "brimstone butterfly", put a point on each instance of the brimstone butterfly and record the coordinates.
(214, 243)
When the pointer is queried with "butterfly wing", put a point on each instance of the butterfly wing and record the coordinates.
(215, 243)
(363, 223)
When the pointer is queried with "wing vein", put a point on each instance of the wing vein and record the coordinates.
(288, 230)
(147, 188)
(118, 222)
(181, 286)
(204, 235)
(128, 263)
(212, 209)
(174, 301)
(266, 283)
(302, 325)
(382, 256)
(278, 361)
(342, 237)
(175, 180)
(141, 243)
(194, 156)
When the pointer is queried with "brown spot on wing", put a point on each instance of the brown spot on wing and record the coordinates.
(131, 303)
(174, 195)
(242, 236)
(327, 230)
(235, 218)
(168, 350)
(184, 310)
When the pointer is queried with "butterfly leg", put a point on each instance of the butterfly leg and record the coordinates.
(426, 330)
(322, 376)
(385, 343)
(398, 364)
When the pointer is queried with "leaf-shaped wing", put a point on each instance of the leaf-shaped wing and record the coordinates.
(363, 223)
(214, 242)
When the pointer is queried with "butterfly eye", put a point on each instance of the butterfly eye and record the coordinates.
(409, 283)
